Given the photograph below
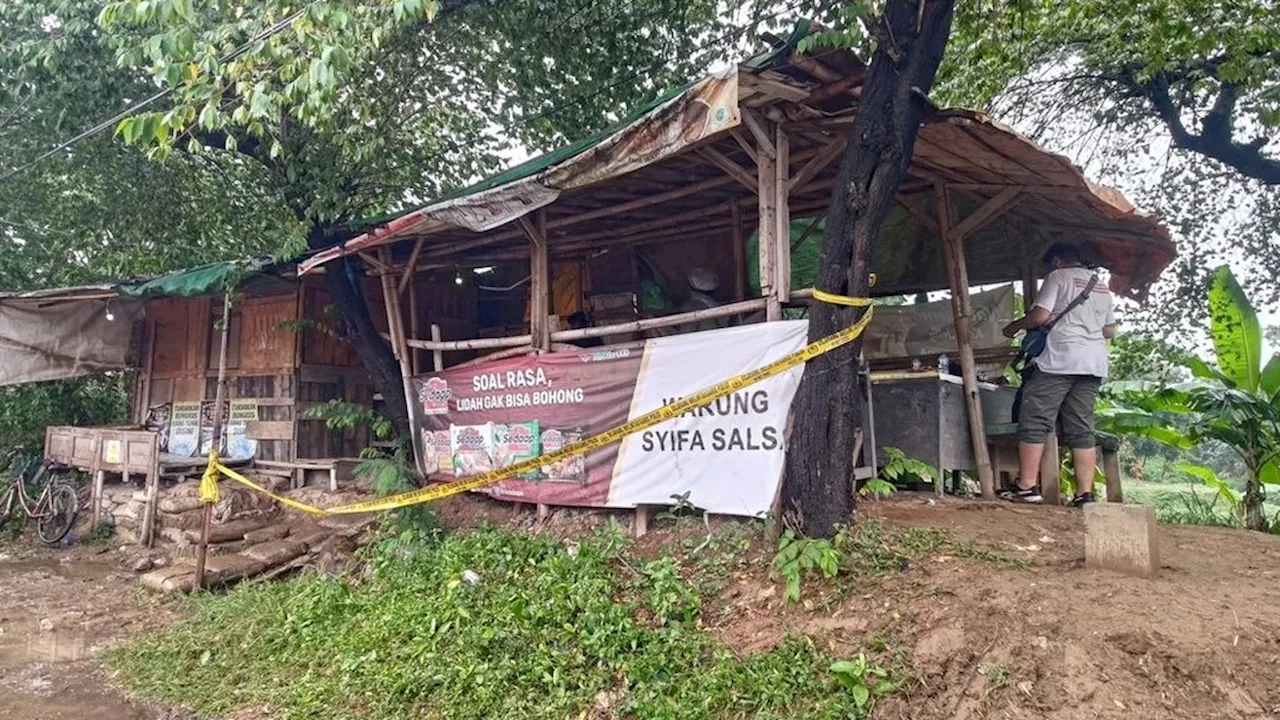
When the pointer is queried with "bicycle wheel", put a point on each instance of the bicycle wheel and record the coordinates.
(58, 514)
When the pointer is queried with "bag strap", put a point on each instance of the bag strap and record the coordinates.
(1084, 295)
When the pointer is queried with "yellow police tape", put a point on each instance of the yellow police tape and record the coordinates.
(649, 419)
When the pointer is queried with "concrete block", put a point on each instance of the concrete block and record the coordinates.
(1122, 538)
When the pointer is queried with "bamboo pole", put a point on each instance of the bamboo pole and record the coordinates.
(517, 341)
(399, 346)
(767, 224)
(206, 514)
(630, 326)
(962, 312)
(437, 357)
(782, 216)
(413, 328)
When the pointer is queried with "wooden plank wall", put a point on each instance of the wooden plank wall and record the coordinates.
(260, 361)
(179, 349)
(329, 369)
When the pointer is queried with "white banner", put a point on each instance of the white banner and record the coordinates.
(729, 456)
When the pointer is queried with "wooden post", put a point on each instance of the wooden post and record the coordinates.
(414, 365)
(100, 476)
(739, 252)
(395, 326)
(640, 521)
(1029, 262)
(1111, 468)
(539, 280)
(962, 312)
(437, 356)
(149, 347)
(782, 216)
(1051, 471)
(206, 514)
(767, 231)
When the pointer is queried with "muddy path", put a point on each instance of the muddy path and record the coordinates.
(58, 609)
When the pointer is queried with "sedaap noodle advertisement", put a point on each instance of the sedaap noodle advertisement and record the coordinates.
(728, 456)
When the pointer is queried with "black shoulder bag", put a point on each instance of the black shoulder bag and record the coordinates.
(1035, 340)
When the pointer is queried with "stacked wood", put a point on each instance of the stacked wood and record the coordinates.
(262, 552)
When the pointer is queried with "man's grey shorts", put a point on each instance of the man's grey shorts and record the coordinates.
(1049, 401)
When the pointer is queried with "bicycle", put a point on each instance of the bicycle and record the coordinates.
(54, 509)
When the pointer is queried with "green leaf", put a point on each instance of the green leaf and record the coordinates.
(1270, 473)
(1237, 336)
(1270, 381)
(847, 667)
(861, 695)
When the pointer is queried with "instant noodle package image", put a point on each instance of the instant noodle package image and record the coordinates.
(472, 447)
(571, 469)
(515, 443)
(437, 452)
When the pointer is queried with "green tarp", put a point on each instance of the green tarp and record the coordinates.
(210, 279)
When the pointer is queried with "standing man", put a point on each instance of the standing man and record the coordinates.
(1074, 306)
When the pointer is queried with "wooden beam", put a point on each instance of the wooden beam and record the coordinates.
(409, 266)
(540, 280)
(985, 213)
(916, 213)
(1111, 472)
(782, 188)
(1029, 264)
(739, 248)
(414, 327)
(851, 84)
(997, 187)
(813, 67)
(757, 127)
(631, 326)
(962, 312)
(473, 344)
(733, 169)
(399, 345)
(745, 144)
(375, 263)
(767, 229)
(774, 88)
(817, 163)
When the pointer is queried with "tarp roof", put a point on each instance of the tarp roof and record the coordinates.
(603, 190)
(210, 279)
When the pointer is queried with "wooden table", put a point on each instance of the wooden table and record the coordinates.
(1003, 440)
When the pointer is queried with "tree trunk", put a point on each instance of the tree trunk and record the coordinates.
(343, 279)
(818, 491)
(1254, 519)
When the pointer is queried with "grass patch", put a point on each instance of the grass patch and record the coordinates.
(1189, 504)
(489, 624)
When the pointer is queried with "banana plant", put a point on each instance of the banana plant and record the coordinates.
(1235, 400)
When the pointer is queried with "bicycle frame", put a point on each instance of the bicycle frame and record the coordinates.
(18, 490)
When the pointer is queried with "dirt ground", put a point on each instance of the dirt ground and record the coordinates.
(1017, 628)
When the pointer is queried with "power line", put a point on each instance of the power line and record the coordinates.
(105, 124)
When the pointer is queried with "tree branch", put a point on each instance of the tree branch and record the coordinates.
(1215, 137)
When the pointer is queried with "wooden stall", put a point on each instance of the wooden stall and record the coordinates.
(284, 356)
(686, 179)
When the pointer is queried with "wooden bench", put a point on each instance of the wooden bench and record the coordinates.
(296, 470)
(1003, 441)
